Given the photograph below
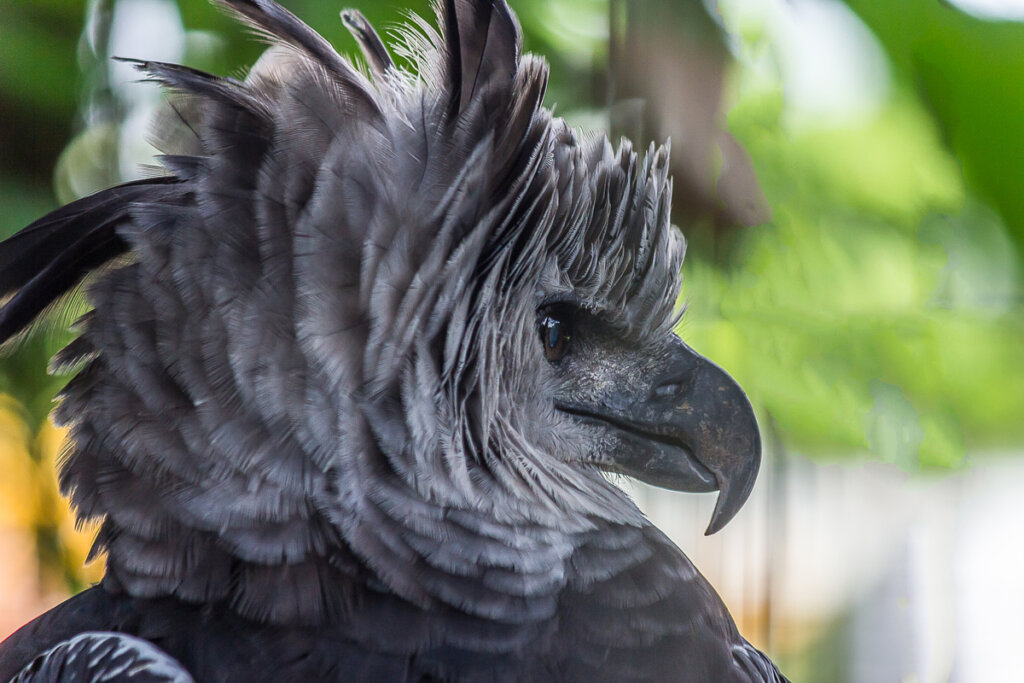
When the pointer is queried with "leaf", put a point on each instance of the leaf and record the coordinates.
(969, 71)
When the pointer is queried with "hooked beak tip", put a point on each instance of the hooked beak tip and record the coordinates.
(719, 518)
(733, 490)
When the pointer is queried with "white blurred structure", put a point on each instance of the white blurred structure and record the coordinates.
(915, 579)
(1011, 10)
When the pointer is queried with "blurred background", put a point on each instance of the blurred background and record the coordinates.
(849, 177)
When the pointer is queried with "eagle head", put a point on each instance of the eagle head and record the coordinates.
(381, 328)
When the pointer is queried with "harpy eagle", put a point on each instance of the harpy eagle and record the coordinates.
(356, 371)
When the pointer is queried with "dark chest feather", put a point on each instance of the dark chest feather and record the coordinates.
(594, 635)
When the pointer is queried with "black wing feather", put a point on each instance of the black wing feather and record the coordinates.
(186, 79)
(48, 258)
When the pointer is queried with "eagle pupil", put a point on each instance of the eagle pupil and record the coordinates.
(556, 334)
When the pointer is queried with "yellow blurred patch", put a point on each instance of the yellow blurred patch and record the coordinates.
(29, 497)
(19, 486)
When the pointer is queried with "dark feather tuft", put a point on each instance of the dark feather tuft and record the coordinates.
(369, 42)
(48, 258)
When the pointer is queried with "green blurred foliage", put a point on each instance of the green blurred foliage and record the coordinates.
(970, 72)
(880, 311)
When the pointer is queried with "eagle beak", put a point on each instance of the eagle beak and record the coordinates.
(715, 420)
(690, 429)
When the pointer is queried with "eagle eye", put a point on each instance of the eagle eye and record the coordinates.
(555, 326)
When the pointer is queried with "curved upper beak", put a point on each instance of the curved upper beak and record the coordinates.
(715, 419)
(691, 428)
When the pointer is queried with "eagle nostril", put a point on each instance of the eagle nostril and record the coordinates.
(668, 390)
